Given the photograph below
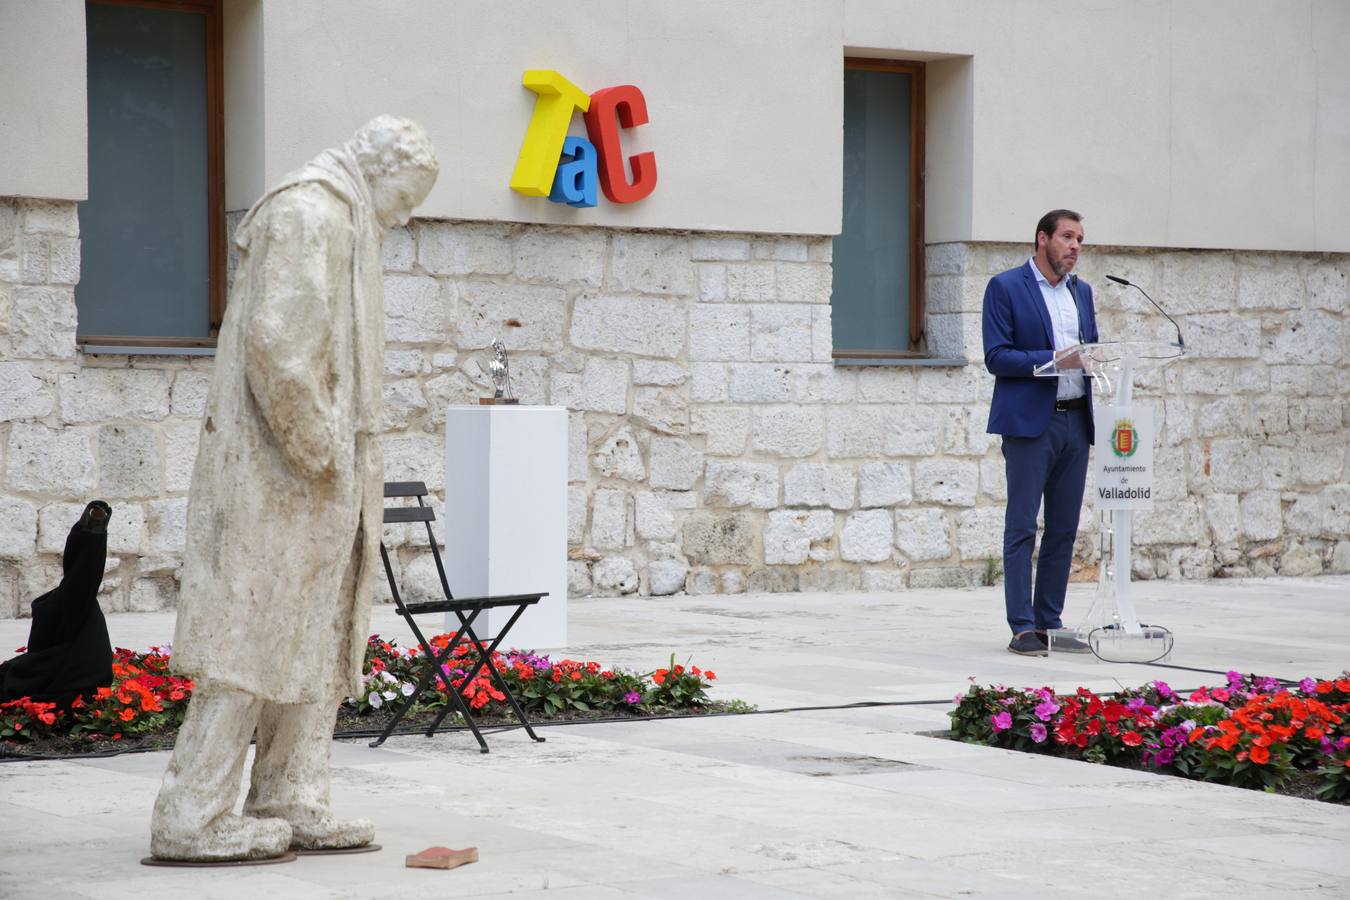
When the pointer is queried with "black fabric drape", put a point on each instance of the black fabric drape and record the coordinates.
(68, 648)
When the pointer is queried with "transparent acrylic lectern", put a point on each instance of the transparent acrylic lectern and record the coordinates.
(1111, 627)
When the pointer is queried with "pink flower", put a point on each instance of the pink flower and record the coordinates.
(1001, 721)
(1038, 732)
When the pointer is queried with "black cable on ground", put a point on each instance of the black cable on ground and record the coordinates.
(617, 720)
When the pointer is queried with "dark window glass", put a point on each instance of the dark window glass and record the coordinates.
(873, 307)
(145, 244)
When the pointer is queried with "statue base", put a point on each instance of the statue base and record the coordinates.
(498, 401)
(288, 856)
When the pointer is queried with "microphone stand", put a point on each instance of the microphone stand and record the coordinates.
(1118, 280)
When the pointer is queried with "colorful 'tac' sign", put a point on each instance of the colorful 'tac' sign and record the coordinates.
(567, 169)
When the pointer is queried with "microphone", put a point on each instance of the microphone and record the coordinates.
(1118, 280)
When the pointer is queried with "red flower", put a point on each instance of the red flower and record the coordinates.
(710, 675)
(127, 714)
(659, 676)
(1260, 755)
(1132, 738)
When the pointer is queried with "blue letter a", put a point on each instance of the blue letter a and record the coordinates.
(576, 182)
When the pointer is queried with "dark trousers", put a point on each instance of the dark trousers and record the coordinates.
(1052, 466)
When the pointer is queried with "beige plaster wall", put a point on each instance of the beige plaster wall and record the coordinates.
(43, 123)
(243, 100)
(743, 97)
(1172, 123)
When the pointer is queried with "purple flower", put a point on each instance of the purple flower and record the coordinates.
(1001, 721)
(632, 698)
(1234, 679)
(1038, 732)
(1164, 689)
(1164, 757)
(1134, 703)
(1308, 686)
(1046, 711)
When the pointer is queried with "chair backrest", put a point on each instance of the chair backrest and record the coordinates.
(403, 514)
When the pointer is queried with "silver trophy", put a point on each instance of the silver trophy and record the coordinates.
(500, 371)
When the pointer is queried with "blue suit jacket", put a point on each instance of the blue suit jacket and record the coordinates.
(1017, 339)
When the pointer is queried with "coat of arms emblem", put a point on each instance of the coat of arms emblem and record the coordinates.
(1124, 438)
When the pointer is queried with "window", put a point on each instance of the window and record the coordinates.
(152, 231)
(878, 258)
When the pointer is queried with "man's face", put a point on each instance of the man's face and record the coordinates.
(1059, 251)
(397, 194)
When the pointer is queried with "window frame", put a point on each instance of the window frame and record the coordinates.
(917, 304)
(215, 177)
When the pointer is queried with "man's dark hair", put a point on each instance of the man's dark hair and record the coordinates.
(1050, 221)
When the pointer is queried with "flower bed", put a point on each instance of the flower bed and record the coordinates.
(1251, 732)
(146, 702)
(542, 686)
(145, 697)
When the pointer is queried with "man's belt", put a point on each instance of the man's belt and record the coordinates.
(1074, 403)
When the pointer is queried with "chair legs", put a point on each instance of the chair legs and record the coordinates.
(456, 701)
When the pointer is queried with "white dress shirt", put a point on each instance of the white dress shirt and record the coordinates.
(1064, 321)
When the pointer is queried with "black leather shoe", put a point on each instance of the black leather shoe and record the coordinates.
(1027, 644)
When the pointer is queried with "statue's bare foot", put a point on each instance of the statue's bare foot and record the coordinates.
(228, 838)
(326, 832)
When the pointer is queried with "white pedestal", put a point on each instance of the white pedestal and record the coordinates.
(506, 516)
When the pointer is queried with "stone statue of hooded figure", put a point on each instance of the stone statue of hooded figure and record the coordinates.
(285, 510)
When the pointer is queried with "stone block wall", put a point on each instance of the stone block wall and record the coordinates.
(714, 445)
(1253, 452)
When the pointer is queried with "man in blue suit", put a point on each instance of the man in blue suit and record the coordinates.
(1030, 313)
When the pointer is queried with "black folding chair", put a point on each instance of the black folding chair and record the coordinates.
(466, 610)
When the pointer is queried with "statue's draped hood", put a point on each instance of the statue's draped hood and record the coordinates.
(337, 170)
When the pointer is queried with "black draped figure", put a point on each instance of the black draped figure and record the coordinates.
(68, 648)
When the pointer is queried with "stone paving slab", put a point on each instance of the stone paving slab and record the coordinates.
(821, 802)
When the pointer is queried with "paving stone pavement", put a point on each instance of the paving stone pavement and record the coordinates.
(821, 802)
